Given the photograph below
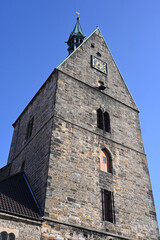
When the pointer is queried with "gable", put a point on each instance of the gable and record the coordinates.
(78, 65)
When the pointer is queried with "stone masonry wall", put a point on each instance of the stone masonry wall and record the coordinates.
(35, 150)
(78, 65)
(75, 180)
(4, 172)
(23, 229)
(52, 230)
(79, 103)
(65, 134)
(41, 108)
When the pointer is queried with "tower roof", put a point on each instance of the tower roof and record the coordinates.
(77, 29)
(76, 37)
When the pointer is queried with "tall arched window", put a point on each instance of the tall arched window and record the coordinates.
(103, 120)
(105, 161)
(99, 118)
(106, 122)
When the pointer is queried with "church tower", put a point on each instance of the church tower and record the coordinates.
(79, 145)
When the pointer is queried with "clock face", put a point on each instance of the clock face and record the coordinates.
(99, 64)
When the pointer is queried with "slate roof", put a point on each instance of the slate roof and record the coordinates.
(16, 197)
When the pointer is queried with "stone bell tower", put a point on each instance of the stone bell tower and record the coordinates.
(99, 185)
(79, 144)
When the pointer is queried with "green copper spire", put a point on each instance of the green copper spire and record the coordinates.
(76, 37)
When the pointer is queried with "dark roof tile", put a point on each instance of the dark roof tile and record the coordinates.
(17, 197)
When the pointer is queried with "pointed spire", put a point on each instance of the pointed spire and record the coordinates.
(76, 37)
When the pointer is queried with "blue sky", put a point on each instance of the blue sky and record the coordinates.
(32, 44)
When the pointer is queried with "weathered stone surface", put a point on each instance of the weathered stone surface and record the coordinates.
(62, 156)
(65, 232)
(5, 172)
(78, 65)
(35, 150)
(22, 228)
(76, 143)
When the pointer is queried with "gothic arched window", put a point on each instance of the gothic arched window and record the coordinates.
(105, 161)
(99, 118)
(103, 120)
(106, 122)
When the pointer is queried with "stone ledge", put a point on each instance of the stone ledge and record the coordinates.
(16, 217)
(78, 126)
(86, 228)
(98, 90)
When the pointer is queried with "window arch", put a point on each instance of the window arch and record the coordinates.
(103, 120)
(105, 161)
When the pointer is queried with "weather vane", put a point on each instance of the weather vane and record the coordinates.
(78, 15)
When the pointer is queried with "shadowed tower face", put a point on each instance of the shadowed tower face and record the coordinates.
(79, 143)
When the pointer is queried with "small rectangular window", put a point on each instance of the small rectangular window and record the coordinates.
(29, 128)
(107, 205)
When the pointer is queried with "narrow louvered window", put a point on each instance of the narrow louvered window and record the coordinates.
(106, 122)
(29, 128)
(103, 120)
(100, 119)
(107, 206)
